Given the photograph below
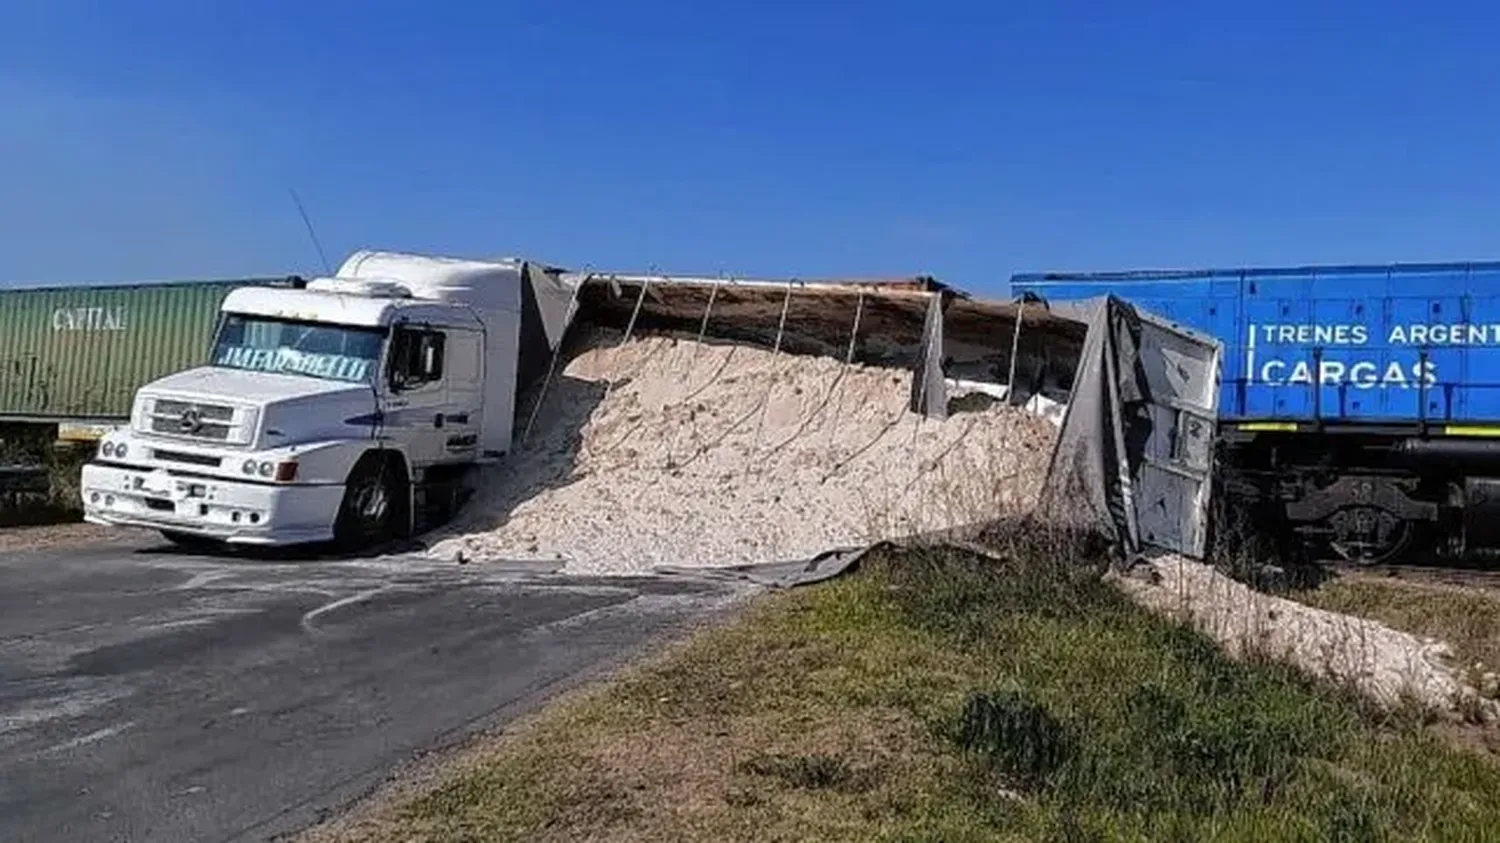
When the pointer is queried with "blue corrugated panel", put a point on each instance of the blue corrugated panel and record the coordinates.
(1378, 344)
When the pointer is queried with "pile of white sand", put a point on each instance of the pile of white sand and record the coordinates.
(1388, 665)
(667, 451)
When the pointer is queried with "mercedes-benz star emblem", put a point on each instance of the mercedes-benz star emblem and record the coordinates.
(191, 421)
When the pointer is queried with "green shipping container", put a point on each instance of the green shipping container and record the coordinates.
(74, 354)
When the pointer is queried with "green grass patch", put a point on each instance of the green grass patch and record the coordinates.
(940, 696)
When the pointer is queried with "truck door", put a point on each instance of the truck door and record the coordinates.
(464, 372)
(417, 403)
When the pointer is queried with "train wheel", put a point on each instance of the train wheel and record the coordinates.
(1369, 536)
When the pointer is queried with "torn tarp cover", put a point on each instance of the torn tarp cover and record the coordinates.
(831, 563)
(549, 301)
(929, 392)
(1089, 471)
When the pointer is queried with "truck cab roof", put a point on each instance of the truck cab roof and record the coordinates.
(374, 306)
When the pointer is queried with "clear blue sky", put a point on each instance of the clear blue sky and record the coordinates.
(969, 140)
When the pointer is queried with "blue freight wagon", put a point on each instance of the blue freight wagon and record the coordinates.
(1359, 405)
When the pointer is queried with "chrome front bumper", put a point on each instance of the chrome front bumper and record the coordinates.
(236, 512)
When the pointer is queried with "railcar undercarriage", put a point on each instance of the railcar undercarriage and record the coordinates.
(1364, 498)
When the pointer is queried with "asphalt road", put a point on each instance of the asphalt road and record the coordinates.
(152, 696)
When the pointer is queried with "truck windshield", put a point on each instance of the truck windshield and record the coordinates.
(289, 347)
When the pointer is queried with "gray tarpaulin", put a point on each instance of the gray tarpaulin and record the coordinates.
(838, 561)
(929, 389)
(826, 565)
(549, 301)
(1088, 470)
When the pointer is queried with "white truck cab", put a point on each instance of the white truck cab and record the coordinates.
(346, 411)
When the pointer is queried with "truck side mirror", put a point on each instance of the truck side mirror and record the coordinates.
(431, 360)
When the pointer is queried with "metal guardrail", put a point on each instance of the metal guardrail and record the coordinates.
(22, 479)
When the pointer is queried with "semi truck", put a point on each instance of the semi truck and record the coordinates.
(350, 409)
(1359, 406)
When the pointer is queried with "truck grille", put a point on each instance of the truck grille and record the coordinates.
(190, 419)
(190, 459)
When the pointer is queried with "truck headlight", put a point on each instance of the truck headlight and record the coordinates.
(248, 467)
(267, 469)
(121, 450)
(108, 450)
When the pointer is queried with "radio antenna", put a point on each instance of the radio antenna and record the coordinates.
(313, 235)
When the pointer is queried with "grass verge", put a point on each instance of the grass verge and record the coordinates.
(940, 696)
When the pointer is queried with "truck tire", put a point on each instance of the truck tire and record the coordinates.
(196, 544)
(367, 515)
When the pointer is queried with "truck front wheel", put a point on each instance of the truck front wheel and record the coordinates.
(371, 505)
